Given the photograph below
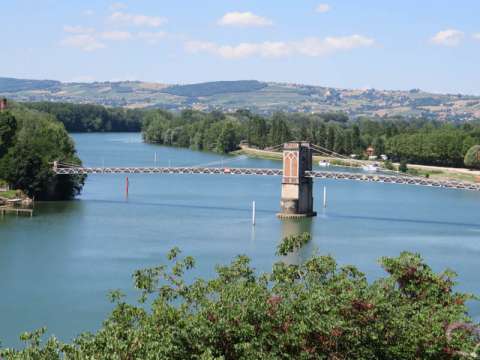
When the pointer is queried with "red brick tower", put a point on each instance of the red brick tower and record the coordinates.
(297, 192)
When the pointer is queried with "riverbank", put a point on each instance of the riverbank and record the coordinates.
(433, 172)
(14, 199)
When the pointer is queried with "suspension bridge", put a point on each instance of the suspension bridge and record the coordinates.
(297, 175)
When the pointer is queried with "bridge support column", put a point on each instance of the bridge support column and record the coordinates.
(297, 189)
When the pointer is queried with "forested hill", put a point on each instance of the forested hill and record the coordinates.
(258, 97)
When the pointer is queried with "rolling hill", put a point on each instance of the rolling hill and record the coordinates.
(261, 97)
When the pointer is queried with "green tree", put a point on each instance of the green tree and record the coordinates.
(321, 135)
(330, 142)
(227, 140)
(154, 132)
(356, 140)
(279, 131)
(348, 142)
(339, 146)
(198, 141)
(257, 131)
(379, 146)
(390, 129)
(442, 147)
(472, 157)
(27, 165)
(8, 127)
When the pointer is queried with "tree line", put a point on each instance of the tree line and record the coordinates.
(29, 143)
(91, 118)
(417, 141)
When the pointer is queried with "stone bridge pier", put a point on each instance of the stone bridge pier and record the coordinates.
(297, 189)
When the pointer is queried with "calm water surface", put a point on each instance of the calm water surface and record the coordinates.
(56, 268)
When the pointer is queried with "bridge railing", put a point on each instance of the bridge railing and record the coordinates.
(378, 178)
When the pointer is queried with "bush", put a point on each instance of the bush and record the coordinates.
(403, 166)
(472, 157)
(389, 165)
(316, 310)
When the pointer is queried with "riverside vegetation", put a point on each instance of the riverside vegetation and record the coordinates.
(29, 142)
(417, 141)
(315, 310)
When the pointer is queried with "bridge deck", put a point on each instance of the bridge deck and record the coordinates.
(379, 178)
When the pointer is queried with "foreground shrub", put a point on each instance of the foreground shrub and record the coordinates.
(316, 310)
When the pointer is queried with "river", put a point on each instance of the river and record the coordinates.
(57, 267)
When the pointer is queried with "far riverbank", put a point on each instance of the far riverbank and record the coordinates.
(435, 172)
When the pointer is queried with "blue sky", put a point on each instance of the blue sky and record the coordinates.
(432, 45)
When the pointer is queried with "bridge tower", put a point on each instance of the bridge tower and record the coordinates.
(297, 189)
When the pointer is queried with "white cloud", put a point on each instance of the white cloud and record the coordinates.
(88, 12)
(200, 46)
(137, 20)
(117, 6)
(244, 19)
(476, 36)
(78, 29)
(323, 8)
(449, 37)
(314, 47)
(152, 38)
(116, 35)
(242, 50)
(85, 42)
(319, 47)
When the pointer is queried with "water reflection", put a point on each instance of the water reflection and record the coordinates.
(296, 227)
(52, 208)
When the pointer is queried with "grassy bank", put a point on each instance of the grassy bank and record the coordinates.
(10, 194)
(442, 174)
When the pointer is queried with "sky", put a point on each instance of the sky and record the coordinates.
(433, 45)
